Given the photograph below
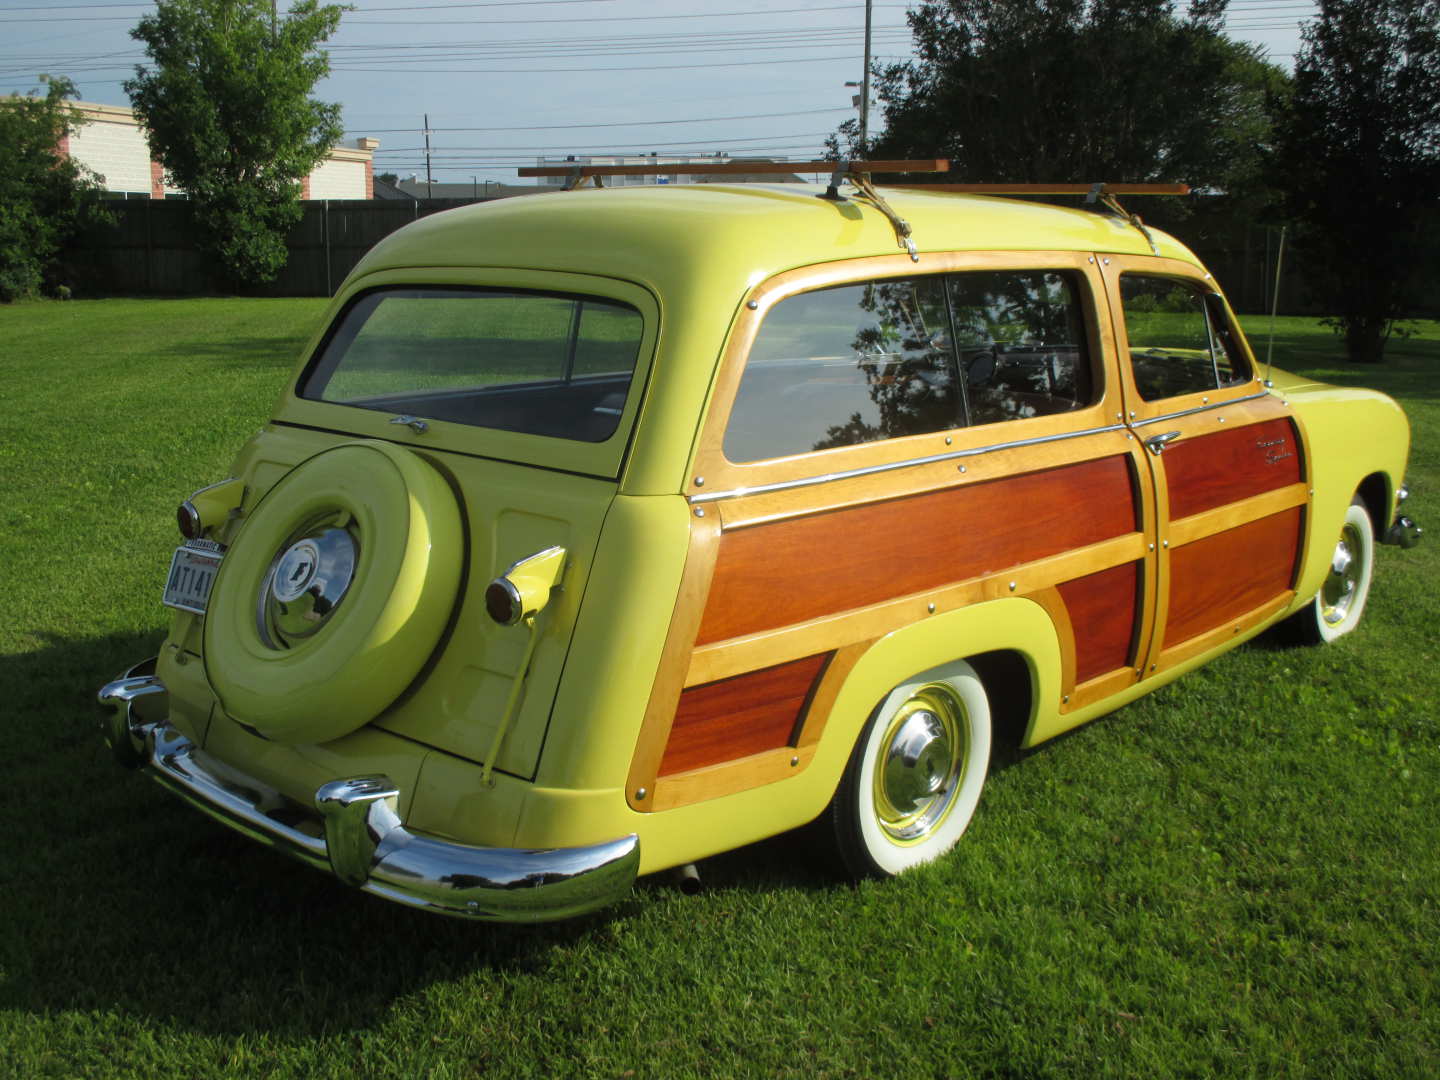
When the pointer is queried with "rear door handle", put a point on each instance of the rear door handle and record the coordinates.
(1157, 443)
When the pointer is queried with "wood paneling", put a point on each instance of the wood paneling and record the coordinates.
(789, 571)
(1219, 578)
(740, 716)
(1225, 466)
(1103, 611)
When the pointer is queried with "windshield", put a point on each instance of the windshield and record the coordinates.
(536, 363)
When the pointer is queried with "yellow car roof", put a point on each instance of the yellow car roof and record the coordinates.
(668, 234)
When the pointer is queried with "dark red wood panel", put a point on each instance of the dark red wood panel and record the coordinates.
(739, 716)
(1206, 471)
(1221, 577)
(786, 572)
(1103, 611)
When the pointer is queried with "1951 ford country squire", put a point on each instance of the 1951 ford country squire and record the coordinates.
(604, 530)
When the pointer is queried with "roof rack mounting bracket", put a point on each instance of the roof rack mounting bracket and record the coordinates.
(837, 177)
(1100, 193)
(577, 176)
(861, 180)
(858, 173)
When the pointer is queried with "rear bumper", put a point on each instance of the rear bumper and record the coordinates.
(353, 829)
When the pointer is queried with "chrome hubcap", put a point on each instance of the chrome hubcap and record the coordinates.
(305, 585)
(922, 764)
(1338, 592)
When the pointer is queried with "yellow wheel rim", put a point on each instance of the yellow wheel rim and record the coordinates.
(921, 764)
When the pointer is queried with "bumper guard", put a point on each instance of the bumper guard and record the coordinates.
(354, 831)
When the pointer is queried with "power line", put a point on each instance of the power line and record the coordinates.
(627, 123)
(565, 70)
(120, 18)
(440, 152)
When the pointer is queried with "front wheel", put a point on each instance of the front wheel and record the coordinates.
(1337, 607)
(914, 777)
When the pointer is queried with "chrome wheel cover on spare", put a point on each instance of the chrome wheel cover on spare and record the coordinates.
(306, 584)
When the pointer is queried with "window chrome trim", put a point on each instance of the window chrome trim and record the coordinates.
(1199, 409)
(908, 463)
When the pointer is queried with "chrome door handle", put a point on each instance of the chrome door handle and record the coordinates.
(1157, 443)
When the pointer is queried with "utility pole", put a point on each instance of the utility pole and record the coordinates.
(429, 176)
(865, 83)
(274, 17)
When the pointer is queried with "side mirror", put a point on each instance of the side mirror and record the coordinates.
(523, 591)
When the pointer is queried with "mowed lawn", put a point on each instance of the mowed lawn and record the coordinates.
(1237, 876)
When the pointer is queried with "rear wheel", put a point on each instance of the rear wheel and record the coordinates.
(914, 777)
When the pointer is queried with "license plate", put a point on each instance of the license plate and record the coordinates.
(192, 572)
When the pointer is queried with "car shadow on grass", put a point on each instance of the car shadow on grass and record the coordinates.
(247, 353)
(121, 900)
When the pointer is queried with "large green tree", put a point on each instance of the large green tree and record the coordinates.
(1358, 155)
(1079, 90)
(226, 102)
(44, 195)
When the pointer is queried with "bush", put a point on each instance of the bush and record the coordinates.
(44, 196)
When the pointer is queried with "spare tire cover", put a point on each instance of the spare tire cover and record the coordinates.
(334, 593)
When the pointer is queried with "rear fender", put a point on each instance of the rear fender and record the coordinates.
(1013, 623)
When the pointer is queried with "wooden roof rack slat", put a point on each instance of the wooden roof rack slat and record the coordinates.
(723, 168)
(1055, 189)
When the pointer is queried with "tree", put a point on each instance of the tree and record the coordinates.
(1358, 156)
(44, 195)
(228, 110)
(1078, 90)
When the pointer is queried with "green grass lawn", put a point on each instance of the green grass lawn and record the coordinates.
(1235, 876)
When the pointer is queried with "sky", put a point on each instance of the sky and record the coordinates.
(504, 82)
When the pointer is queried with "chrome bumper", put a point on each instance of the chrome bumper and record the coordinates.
(1403, 532)
(353, 829)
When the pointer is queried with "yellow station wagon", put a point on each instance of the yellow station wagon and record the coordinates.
(605, 530)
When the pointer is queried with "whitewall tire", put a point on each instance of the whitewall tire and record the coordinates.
(914, 777)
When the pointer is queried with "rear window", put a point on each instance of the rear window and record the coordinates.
(535, 363)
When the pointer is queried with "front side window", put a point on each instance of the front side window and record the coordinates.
(884, 359)
(1180, 339)
(528, 362)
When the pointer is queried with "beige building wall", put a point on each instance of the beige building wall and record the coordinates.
(347, 175)
(114, 146)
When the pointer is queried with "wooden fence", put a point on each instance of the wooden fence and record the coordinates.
(150, 250)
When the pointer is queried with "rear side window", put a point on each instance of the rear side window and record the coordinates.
(909, 356)
(529, 362)
(1179, 337)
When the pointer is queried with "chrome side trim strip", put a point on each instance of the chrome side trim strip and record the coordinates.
(1200, 409)
(909, 463)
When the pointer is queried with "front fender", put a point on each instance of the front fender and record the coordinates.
(1350, 435)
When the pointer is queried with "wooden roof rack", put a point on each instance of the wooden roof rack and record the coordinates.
(857, 172)
(576, 173)
(1056, 189)
(1095, 194)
